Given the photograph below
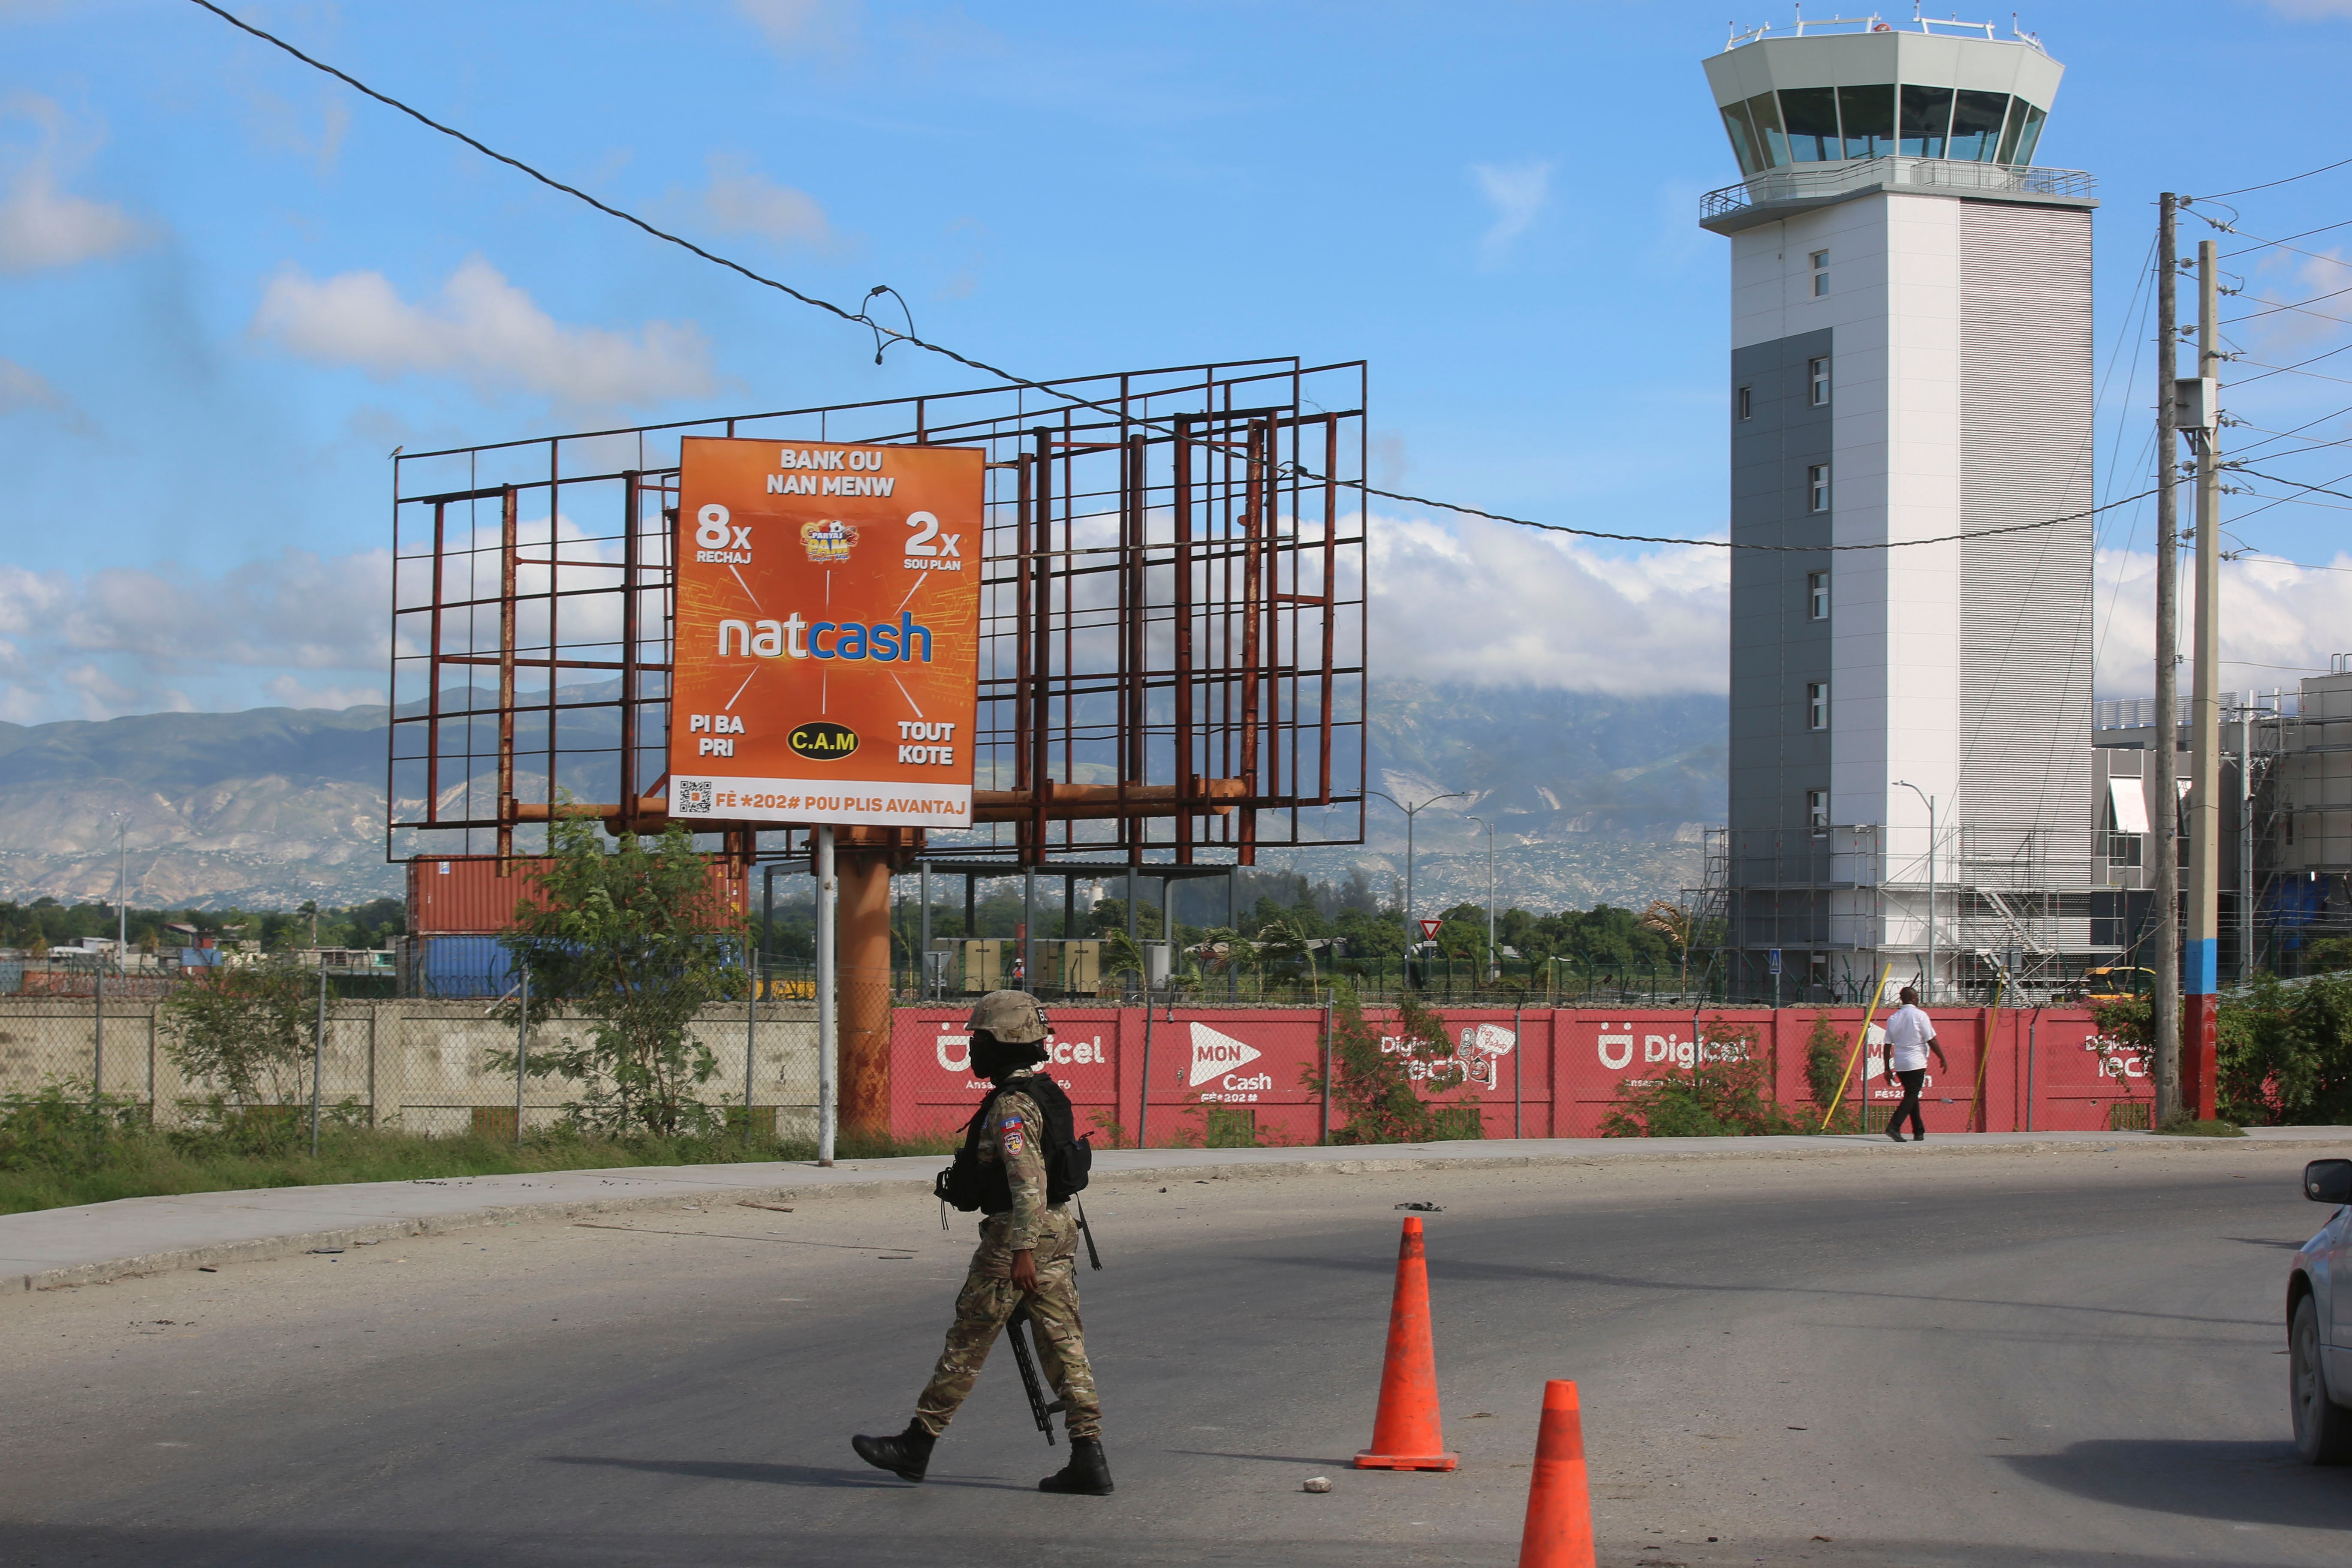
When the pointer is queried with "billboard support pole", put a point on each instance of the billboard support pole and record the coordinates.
(1029, 930)
(826, 1093)
(862, 958)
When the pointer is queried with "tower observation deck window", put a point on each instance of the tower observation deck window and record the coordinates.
(1867, 117)
(2023, 130)
(1742, 131)
(1833, 124)
(1976, 126)
(1927, 120)
(1771, 139)
(1811, 117)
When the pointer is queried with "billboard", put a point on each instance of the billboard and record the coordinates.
(826, 648)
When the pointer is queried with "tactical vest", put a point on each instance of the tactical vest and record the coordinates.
(969, 1185)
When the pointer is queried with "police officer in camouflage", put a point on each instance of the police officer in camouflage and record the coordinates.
(1027, 1256)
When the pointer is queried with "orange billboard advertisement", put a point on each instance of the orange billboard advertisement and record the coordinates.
(825, 649)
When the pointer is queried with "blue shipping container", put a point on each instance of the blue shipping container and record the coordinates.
(463, 966)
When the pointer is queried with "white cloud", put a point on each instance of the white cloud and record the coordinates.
(741, 200)
(289, 691)
(130, 639)
(795, 25)
(43, 225)
(2279, 623)
(486, 331)
(1507, 606)
(2297, 331)
(23, 388)
(1517, 193)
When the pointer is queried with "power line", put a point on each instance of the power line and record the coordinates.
(2298, 484)
(2265, 185)
(881, 334)
(1729, 544)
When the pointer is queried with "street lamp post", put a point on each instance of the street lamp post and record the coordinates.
(121, 886)
(1929, 998)
(1409, 813)
(1493, 964)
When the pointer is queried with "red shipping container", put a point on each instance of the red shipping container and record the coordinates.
(460, 895)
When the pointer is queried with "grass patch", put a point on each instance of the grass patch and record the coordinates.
(2187, 1126)
(55, 1152)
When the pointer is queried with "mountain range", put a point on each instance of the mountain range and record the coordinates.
(1593, 798)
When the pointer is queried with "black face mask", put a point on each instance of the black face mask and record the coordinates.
(994, 1061)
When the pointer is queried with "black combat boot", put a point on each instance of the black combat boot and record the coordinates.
(905, 1456)
(1087, 1472)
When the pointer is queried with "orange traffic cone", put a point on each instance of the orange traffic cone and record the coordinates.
(1559, 1532)
(1407, 1432)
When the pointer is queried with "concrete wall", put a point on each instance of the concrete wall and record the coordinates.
(418, 1066)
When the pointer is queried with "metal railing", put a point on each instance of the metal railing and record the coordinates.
(1819, 182)
(1875, 23)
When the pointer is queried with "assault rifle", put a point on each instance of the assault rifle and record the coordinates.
(1017, 1329)
(1020, 1326)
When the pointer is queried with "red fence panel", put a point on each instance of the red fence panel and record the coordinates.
(1241, 1075)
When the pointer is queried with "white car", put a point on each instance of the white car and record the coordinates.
(2319, 1322)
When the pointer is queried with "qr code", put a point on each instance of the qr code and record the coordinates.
(693, 798)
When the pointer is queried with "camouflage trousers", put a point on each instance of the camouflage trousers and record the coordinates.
(989, 1298)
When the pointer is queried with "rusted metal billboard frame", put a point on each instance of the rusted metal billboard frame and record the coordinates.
(1174, 638)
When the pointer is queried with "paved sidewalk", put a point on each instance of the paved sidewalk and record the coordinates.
(99, 1242)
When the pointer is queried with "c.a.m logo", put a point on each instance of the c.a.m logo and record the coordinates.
(823, 743)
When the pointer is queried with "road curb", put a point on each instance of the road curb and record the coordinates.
(865, 1183)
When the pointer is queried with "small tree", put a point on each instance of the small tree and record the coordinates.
(1825, 1074)
(245, 1031)
(1678, 926)
(635, 944)
(1372, 1080)
(1287, 938)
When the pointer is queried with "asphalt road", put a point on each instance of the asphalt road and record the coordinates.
(1951, 1360)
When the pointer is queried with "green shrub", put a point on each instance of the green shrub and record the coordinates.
(1826, 1054)
(2285, 1051)
(1373, 1087)
(1728, 1097)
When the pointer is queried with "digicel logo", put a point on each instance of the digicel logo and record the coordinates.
(1214, 1055)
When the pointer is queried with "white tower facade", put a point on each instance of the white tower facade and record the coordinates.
(1911, 360)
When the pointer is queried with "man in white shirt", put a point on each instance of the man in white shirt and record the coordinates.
(1909, 1038)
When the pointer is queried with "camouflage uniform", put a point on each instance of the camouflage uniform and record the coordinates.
(1015, 1138)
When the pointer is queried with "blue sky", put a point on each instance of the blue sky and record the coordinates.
(228, 286)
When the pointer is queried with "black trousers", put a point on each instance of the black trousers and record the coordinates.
(1911, 1078)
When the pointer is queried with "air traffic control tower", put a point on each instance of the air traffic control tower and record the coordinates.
(1911, 359)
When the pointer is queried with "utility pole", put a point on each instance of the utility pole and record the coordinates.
(2165, 1005)
(2200, 976)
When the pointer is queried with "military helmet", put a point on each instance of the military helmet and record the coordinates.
(1015, 1018)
